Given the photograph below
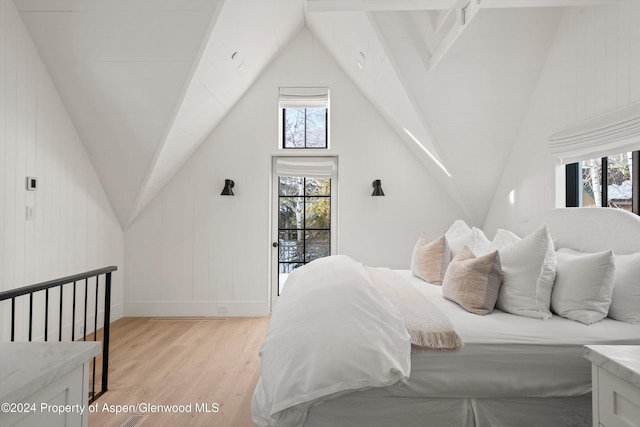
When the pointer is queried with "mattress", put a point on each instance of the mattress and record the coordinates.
(506, 355)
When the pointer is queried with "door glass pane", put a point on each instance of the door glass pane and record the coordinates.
(288, 267)
(317, 187)
(291, 186)
(619, 179)
(317, 212)
(317, 244)
(291, 245)
(284, 268)
(291, 213)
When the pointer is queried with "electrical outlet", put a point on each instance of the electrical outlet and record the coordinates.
(223, 309)
(31, 213)
(79, 331)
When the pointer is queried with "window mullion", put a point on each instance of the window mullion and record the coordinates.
(573, 177)
(635, 165)
(604, 183)
(304, 201)
(305, 128)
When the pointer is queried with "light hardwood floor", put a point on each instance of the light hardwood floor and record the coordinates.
(201, 363)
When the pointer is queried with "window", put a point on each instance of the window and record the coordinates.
(304, 118)
(611, 181)
(304, 127)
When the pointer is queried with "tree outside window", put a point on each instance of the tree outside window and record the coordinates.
(607, 181)
(304, 127)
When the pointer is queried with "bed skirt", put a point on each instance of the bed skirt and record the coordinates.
(356, 410)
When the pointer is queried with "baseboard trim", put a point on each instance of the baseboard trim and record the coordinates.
(195, 308)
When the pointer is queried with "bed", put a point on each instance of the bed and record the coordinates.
(323, 364)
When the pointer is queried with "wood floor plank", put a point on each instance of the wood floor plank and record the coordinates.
(203, 364)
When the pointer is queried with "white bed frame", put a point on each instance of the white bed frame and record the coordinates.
(584, 229)
(589, 229)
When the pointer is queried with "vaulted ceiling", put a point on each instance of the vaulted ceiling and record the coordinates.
(146, 81)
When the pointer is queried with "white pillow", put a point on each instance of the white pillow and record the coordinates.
(584, 285)
(625, 302)
(460, 235)
(480, 243)
(528, 272)
(503, 239)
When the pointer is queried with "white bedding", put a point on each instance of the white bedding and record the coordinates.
(512, 370)
(534, 358)
(331, 333)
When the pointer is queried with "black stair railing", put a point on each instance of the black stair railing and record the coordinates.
(92, 284)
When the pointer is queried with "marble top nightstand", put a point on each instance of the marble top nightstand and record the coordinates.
(615, 373)
(36, 377)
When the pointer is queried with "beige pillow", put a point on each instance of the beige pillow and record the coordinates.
(430, 259)
(473, 282)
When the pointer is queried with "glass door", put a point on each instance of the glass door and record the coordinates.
(303, 229)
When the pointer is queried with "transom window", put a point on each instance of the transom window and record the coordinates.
(304, 117)
(304, 127)
(611, 181)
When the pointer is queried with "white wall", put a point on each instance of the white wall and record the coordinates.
(593, 67)
(191, 250)
(74, 228)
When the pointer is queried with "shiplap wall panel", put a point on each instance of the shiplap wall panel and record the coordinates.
(228, 238)
(177, 240)
(634, 58)
(598, 61)
(74, 228)
(593, 67)
(611, 58)
(142, 265)
(600, 65)
(201, 199)
(624, 33)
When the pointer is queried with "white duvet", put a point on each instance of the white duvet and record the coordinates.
(331, 333)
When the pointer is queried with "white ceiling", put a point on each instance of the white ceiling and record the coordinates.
(145, 81)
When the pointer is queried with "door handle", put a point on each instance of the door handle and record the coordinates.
(275, 244)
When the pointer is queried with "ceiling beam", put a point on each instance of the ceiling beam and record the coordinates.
(463, 18)
(499, 4)
(381, 5)
(443, 16)
(408, 5)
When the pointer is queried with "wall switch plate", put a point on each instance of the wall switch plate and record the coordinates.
(223, 309)
(32, 183)
(31, 213)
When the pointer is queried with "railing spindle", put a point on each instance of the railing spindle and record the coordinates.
(13, 319)
(106, 332)
(86, 291)
(30, 316)
(46, 314)
(73, 314)
(95, 338)
(60, 321)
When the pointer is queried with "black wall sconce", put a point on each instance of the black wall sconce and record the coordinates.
(377, 188)
(228, 188)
